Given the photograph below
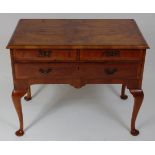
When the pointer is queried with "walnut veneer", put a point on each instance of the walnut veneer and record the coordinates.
(77, 52)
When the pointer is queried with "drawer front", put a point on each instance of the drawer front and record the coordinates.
(99, 55)
(45, 55)
(110, 70)
(45, 70)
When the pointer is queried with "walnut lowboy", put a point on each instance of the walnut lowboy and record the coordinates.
(41, 54)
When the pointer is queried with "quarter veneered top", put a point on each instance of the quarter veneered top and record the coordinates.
(77, 33)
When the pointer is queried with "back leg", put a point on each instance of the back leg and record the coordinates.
(123, 95)
(28, 95)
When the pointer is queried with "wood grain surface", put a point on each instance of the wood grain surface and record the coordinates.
(77, 33)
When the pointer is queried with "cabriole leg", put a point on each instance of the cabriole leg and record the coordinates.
(138, 99)
(16, 97)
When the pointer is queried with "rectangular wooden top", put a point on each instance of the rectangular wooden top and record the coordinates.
(77, 33)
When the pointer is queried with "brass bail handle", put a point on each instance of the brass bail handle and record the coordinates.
(45, 71)
(110, 71)
(112, 53)
(44, 53)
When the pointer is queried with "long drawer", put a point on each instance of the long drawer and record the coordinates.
(44, 55)
(109, 70)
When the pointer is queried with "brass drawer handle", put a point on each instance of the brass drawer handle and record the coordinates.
(110, 71)
(112, 53)
(45, 71)
(44, 53)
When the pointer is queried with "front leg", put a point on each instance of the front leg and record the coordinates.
(16, 97)
(28, 95)
(138, 98)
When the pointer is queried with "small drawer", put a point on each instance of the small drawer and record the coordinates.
(101, 55)
(45, 55)
(45, 70)
(110, 70)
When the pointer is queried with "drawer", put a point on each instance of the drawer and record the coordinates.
(100, 55)
(45, 55)
(45, 70)
(110, 70)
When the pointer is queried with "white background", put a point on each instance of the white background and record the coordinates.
(77, 6)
